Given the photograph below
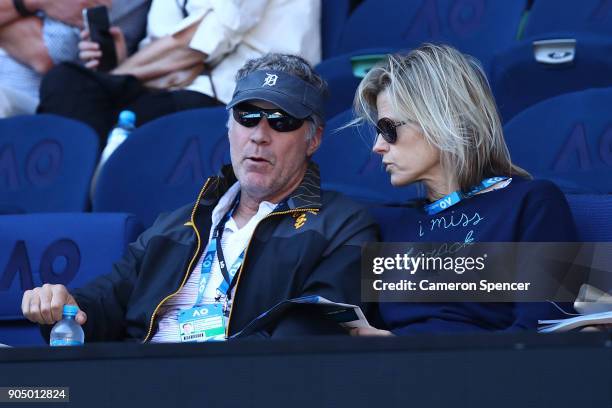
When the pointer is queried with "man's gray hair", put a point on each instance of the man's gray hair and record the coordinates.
(292, 65)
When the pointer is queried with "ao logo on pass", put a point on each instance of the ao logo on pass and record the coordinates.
(200, 312)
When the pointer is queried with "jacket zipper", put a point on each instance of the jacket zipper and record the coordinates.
(301, 210)
(192, 222)
(246, 253)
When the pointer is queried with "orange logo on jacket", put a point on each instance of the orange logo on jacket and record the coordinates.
(300, 221)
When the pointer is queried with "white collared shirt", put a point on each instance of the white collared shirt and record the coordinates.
(233, 31)
(233, 242)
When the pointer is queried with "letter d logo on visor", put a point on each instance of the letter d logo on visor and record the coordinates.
(270, 80)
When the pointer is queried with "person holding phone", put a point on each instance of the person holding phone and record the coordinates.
(188, 59)
(437, 124)
(36, 35)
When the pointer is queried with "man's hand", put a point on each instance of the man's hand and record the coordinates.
(90, 53)
(44, 305)
(23, 40)
(598, 328)
(68, 11)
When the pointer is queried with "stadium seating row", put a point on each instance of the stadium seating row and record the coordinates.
(548, 62)
(46, 162)
(478, 27)
(73, 248)
(556, 47)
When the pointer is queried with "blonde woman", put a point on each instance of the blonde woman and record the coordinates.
(438, 125)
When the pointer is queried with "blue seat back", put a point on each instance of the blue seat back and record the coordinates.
(46, 163)
(163, 164)
(348, 165)
(567, 139)
(476, 27)
(338, 72)
(334, 14)
(520, 80)
(593, 216)
(592, 16)
(59, 248)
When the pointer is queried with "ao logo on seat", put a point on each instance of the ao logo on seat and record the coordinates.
(576, 146)
(190, 166)
(41, 165)
(464, 18)
(59, 263)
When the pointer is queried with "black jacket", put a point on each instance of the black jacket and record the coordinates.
(310, 244)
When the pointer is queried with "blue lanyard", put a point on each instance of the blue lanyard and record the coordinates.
(214, 248)
(456, 196)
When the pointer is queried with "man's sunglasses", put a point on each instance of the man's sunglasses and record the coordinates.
(387, 128)
(249, 116)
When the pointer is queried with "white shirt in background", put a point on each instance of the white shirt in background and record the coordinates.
(234, 31)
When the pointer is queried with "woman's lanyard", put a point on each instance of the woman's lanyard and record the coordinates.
(214, 247)
(456, 196)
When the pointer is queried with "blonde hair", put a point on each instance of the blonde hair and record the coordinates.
(447, 94)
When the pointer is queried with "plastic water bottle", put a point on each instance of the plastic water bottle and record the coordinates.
(125, 125)
(67, 332)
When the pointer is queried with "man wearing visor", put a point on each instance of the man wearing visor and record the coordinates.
(260, 232)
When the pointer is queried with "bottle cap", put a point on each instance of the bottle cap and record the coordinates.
(70, 310)
(127, 117)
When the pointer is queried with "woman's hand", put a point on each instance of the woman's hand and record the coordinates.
(370, 331)
(90, 53)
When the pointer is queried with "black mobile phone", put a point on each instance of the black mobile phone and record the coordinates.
(98, 24)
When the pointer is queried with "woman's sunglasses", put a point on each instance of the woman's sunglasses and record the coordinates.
(387, 129)
(249, 116)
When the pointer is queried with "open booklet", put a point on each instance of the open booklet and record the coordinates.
(560, 325)
(594, 305)
(349, 316)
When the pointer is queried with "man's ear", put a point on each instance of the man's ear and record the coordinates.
(315, 142)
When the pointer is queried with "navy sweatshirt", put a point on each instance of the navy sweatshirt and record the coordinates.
(525, 210)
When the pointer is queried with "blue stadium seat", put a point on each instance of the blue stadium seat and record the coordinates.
(66, 248)
(348, 165)
(590, 16)
(46, 163)
(593, 216)
(339, 73)
(163, 164)
(567, 139)
(333, 16)
(476, 27)
(548, 65)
